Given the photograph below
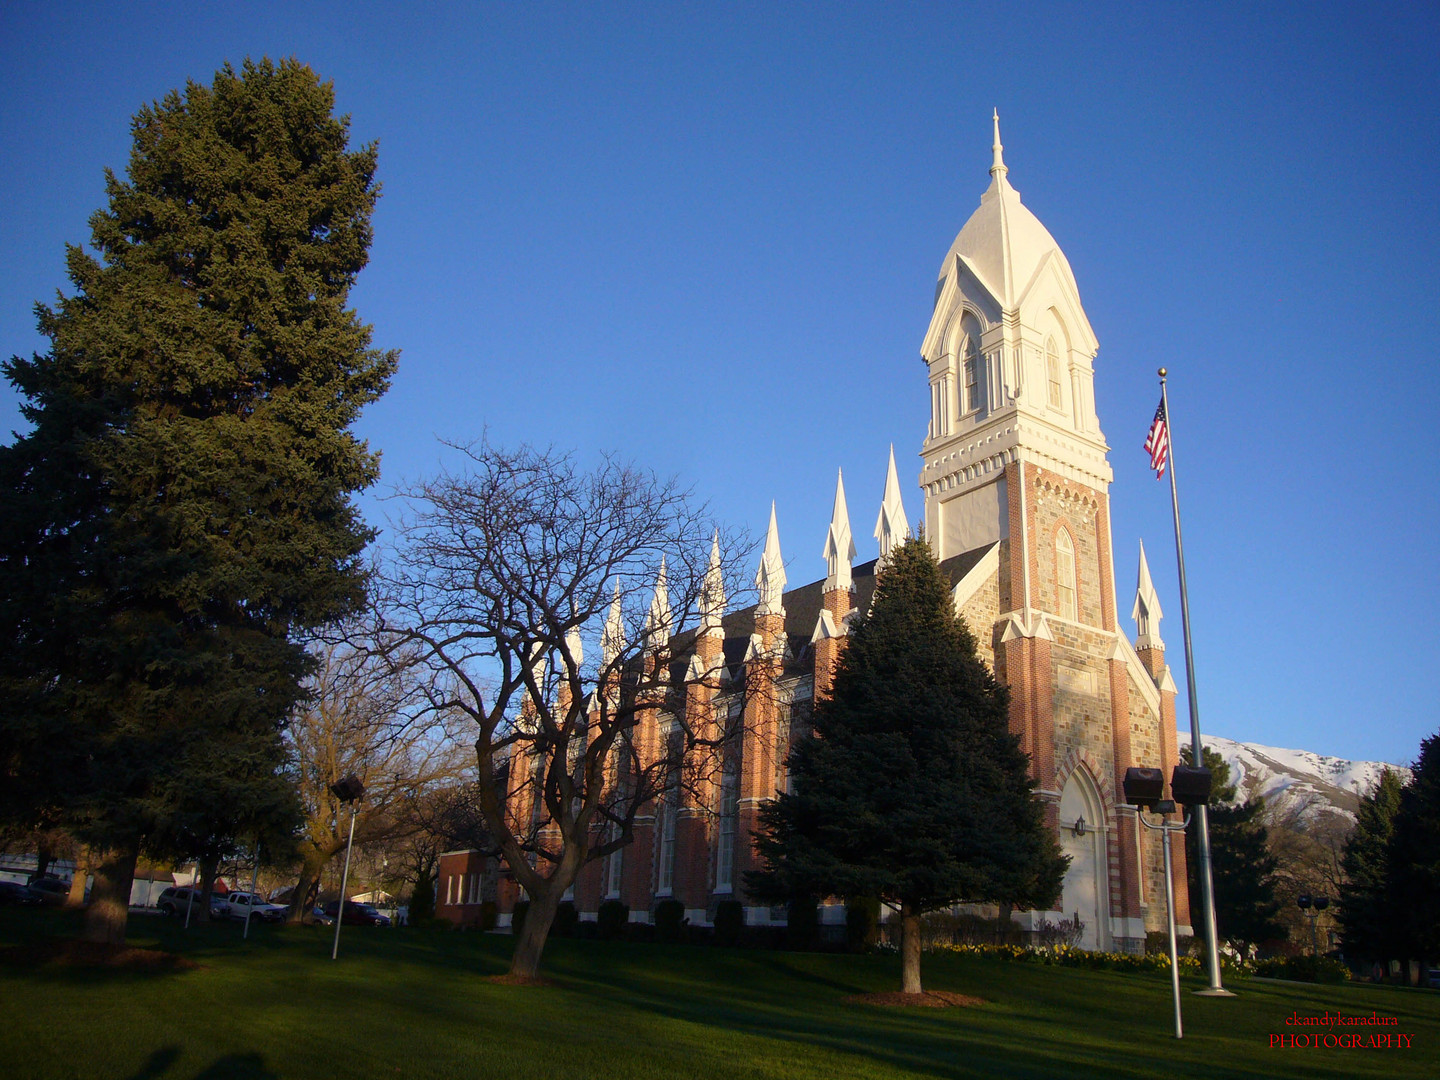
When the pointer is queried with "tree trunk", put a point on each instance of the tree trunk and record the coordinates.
(909, 950)
(531, 943)
(303, 898)
(110, 896)
(209, 864)
(76, 900)
(43, 858)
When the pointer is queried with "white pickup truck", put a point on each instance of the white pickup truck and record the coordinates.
(256, 905)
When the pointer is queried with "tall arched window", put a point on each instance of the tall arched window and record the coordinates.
(615, 872)
(1065, 575)
(667, 810)
(729, 822)
(971, 376)
(1052, 373)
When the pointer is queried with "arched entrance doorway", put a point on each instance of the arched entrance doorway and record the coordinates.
(1082, 837)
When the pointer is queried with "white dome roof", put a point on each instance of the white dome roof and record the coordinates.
(1003, 243)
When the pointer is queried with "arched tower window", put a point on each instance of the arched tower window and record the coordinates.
(971, 376)
(1065, 575)
(1052, 373)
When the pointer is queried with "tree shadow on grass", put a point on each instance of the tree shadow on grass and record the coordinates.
(250, 1066)
(157, 1064)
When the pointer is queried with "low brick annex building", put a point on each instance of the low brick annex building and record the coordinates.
(1015, 480)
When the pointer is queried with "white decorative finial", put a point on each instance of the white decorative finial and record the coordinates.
(770, 576)
(612, 637)
(839, 550)
(998, 167)
(1146, 613)
(657, 621)
(712, 592)
(891, 527)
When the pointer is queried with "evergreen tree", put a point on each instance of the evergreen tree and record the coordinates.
(1366, 923)
(181, 506)
(1240, 862)
(1413, 893)
(913, 789)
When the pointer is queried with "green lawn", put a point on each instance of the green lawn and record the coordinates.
(404, 1003)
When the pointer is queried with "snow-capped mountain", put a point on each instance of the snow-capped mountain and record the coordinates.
(1299, 784)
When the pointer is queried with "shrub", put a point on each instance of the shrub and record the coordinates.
(670, 921)
(862, 923)
(614, 915)
(729, 921)
(517, 916)
(802, 923)
(489, 914)
(422, 901)
(566, 920)
(1316, 969)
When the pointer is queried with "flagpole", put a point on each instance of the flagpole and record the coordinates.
(1202, 819)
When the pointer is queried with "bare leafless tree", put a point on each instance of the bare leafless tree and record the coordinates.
(369, 716)
(545, 598)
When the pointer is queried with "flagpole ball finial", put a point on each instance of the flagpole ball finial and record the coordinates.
(1162, 373)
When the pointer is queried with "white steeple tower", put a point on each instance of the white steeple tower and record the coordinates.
(612, 637)
(712, 592)
(1009, 355)
(1146, 613)
(657, 621)
(839, 550)
(891, 527)
(770, 575)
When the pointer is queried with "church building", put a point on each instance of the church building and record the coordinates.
(1015, 479)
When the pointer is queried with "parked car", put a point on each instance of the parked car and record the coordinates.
(12, 892)
(176, 901)
(50, 890)
(356, 914)
(256, 905)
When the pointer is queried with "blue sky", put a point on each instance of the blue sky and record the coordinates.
(707, 236)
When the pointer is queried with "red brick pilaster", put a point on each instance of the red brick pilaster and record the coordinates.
(1108, 614)
(700, 792)
(1125, 900)
(758, 740)
(838, 603)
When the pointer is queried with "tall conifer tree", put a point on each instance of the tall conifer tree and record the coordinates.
(1413, 890)
(913, 789)
(181, 506)
(1244, 869)
(1366, 922)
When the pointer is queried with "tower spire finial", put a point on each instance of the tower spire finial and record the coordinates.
(998, 167)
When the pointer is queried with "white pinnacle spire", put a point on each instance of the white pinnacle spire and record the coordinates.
(1146, 613)
(839, 550)
(657, 622)
(770, 576)
(891, 527)
(612, 637)
(998, 168)
(712, 592)
(575, 646)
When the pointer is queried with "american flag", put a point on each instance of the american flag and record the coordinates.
(1157, 443)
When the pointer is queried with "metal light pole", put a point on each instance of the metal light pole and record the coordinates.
(349, 791)
(1143, 788)
(190, 899)
(254, 884)
(1202, 820)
